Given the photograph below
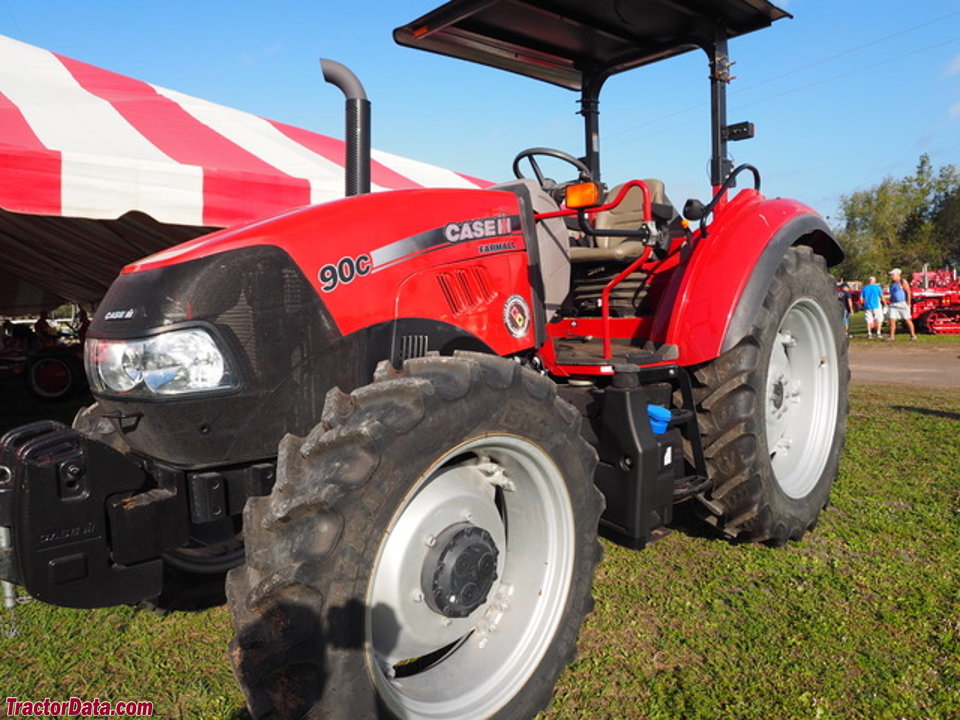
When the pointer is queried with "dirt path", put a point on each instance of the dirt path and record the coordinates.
(905, 363)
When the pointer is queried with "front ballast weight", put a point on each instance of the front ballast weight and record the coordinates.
(84, 525)
(60, 483)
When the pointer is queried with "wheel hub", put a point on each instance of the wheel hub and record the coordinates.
(459, 570)
(777, 394)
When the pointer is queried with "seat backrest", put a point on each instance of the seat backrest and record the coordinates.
(628, 215)
(553, 244)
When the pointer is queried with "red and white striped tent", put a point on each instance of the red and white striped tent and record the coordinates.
(98, 169)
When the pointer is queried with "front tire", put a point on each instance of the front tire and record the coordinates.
(772, 409)
(427, 552)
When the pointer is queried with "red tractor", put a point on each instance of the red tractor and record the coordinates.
(393, 421)
(936, 301)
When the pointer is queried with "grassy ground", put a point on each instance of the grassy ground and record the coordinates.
(860, 620)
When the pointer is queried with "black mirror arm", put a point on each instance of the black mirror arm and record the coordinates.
(726, 185)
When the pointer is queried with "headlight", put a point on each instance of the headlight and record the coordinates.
(171, 363)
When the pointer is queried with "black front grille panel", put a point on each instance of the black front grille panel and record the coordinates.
(285, 346)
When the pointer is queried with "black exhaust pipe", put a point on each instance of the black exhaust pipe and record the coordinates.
(357, 165)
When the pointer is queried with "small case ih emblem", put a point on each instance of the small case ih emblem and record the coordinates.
(516, 316)
(478, 229)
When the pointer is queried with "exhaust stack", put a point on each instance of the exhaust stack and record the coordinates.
(357, 165)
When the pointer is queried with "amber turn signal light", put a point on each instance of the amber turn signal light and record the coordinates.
(582, 195)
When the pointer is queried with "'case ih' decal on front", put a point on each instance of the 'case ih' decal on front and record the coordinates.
(120, 314)
(439, 239)
(478, 229)
(348, 269)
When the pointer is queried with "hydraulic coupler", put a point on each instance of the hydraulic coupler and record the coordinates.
(85, 525)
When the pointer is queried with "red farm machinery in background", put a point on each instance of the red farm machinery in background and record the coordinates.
(936, 301)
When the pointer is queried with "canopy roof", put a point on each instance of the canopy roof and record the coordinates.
(98, 169)
(565, 42)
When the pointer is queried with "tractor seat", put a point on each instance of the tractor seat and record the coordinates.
(628, 215)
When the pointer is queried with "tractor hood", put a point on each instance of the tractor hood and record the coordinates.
(356, 252)
(303, 302)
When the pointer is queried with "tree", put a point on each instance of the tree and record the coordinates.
(947, 224)
(904, 223)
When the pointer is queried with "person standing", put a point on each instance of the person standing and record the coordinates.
(42, 325)
(872, 297)
(846, 302)
(82, 324)
(899, 307)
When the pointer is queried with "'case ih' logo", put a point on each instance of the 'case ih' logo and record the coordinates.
(478, 229)
(120, 314)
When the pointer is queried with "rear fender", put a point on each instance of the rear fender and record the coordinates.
(716, 297)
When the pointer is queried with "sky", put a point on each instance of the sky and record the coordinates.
(845, 93)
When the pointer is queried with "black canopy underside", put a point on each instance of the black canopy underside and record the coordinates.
(573, 42)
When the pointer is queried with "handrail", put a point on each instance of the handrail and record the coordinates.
(627, 186)
(632, 267)
(605, 297)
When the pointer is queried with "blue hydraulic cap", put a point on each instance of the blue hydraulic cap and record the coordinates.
(659, 418)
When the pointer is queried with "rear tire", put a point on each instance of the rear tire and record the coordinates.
(352, 602)
(53, 376)
(772, 410)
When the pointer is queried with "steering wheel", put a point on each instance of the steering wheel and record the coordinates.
(545, 182)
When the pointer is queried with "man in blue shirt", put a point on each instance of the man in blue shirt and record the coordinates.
(872, 298)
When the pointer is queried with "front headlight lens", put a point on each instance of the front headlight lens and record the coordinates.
(120, 365)
(171, 363)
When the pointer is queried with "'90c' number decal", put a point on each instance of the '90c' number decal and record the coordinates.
(344, 272)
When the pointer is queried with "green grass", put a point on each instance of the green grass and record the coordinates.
(859, 620)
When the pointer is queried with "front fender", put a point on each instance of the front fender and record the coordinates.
(716, 296)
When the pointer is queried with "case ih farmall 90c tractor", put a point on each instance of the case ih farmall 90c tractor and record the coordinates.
(392, 422)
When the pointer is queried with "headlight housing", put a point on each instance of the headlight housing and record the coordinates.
(177, 362)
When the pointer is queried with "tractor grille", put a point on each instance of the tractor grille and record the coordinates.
(413, 346)
(276, 332)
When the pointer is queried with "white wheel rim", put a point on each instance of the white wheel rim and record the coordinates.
(801, 397)
(514, 491)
